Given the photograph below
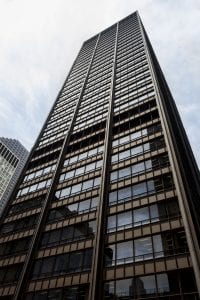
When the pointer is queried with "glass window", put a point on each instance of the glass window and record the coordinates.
(79, 171)
(124, 154)
(141, 216)
(87, 184)
(67, 233)
(76, 188)
(99, 164)
(97, 181)
(82, 156)
(143, 248)
(73, 208)
(113, 176)
(124, 219)
(145, 285)
(154, 212)
(148, 164)
(61, 264)
(110, 255)
(65, 192)
(125, 172)
(92, 152)
(47, 266)
(73, 159)
(163, 283)
(124, 193)
(84, 205)
(112, 197)
(151, 186)
(135, 135)
(69, 174)
(136, 150)
(124, 139)
(111, 223)
(125, 252)
(158, 247)
(94, 202)
(90, 167)
(124, 288)
(114, 158)
(54, 236)
(87, 259)
(139, 189)
(62, 177)
(137, 168)
(75, 261)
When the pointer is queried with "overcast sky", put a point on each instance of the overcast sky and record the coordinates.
(39, 39)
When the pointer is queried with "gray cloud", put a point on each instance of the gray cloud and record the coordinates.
(40, 39)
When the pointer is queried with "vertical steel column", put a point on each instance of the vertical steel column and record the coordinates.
(182, 198)
(95, 292)
(20, 287)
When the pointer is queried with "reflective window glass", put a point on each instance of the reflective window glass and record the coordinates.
(163, 283)
(141, 216)
(65, 192)
(145, 285)
(124, 252)
(124, 219)
(76, 188)
(124, 193)
(143, 248)
(111, 222)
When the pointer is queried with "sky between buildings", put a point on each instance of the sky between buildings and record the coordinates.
(41, 38)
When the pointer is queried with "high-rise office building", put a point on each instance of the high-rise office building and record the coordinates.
(108, 205)
(13, 157)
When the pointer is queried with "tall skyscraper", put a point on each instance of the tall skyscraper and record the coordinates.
(108, 206)
(13, 157)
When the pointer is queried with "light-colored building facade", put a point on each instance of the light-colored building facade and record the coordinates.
(13, 157)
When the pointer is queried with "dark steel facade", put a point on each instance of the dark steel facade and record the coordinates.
(108, 203)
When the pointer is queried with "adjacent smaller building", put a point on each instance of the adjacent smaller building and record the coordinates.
(13, 157)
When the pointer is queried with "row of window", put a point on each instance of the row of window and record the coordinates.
(69, 293)
(139, 168)
(92, 104)
(40, 172)
(14, 247)
(19, 224)
(10, 274)
(28, 204)
(83, 156)
(135, 250)
(144, 81)
(82, 170)
(34, 187)
(131, 68)
(62, 264)
(78, 188)
(132, 74)
(142, 216)
(88, 113)
(67, 211)
(136, 135)
(140, 189)
(134, 151)
(91, 121)
(150, 285)
(131, 78)
(68, 234)
(52, 138)
(131, 95)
